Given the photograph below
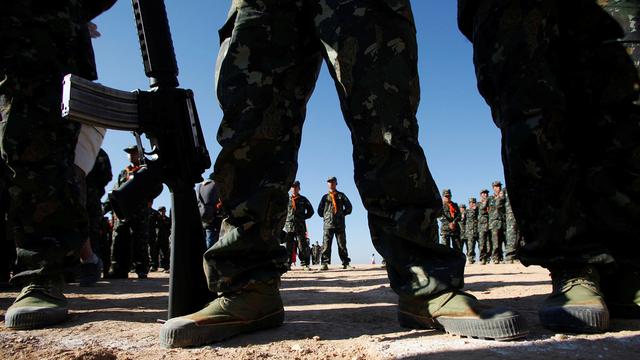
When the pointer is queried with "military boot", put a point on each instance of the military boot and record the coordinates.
(622, 294)
(576, 303)
(37, 306)
(256, 307)
(459, 313)
(324, 267)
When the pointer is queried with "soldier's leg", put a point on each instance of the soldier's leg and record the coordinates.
(289, 242)
(140, 244)
(121, 250)
(511, 240)
(303, 248)
(327, 240)
(567, 70)
(267, 68)
(341, 240)
(456, 242)
(373, 60)
(165, 254)
(471, 249)
(154, 250)
(495, 245)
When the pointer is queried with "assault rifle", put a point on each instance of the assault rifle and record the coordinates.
(167, 116)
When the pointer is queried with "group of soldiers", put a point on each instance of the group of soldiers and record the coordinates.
(562, 81)
(488, 225)
(333, 208)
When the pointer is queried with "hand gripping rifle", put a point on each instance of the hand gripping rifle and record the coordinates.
(167, 116)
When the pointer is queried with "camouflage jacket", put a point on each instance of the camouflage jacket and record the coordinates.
(296, 217)
(471, 225)
(483, 215)
(334, 219)
(496, 212)
(447, 218)
(70, 50)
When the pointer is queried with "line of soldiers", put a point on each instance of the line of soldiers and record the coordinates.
(488, 224)
(333, 208)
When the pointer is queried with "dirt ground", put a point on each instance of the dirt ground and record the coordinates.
(330, 315)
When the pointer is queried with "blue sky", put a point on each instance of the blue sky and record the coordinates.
(461, 143)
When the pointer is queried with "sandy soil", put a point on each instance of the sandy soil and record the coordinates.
(330, 315)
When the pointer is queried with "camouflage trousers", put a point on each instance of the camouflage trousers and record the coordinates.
(341, 240)
(47, 217)
(497, 242)
(269, 61)
(298, 239)
(485, 245)
(513, 240)
(452, 240)
(471, 244)
(130, 247)
(562, 81)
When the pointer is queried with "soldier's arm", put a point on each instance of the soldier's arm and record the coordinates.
(321, 206)
(308, 209)
(347, 208)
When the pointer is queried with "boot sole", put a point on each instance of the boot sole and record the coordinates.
(27, 318)
(575, 319)
(207, 334)
(501, 329)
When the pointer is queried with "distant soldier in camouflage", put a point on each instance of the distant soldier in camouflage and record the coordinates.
(497, 221)
(450, 222)
(484, 232)
(462, 225)
(563, 84)
(513, 238)
(154, 251)
(471, 230)
(131, 237)
(41, 42)
(269, 61)
(298, 211)
(162, 226)
(333, 208)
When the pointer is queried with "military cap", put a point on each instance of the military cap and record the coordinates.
(162, 208)
(463, 206)
(296, 184)
(484, 191)
(332, 179)
(472, 200)
(496, 183)
(131, 149)
(446, 192)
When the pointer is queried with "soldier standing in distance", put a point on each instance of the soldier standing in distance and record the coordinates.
(295, 227)
(333, 208)
(550, 69)
(471, 230)
(497, 223)
(210, 210)
(41, 42)
(462, 225)
(163, 228)
(450, 222)
(513, 238)
(131, 236)
(269, 61)
(154, 252)
(484, 233)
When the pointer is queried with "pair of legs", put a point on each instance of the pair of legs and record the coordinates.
(131, 246)
(341, 240)
(486, 246)
(471, 248)
(497, 241)
(302, 244)
(565, 97)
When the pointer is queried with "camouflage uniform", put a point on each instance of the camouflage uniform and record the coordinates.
(471, 232)
(497, 225)
(269, 61)
(484, 233)
(451, 237)
(40, 44)
(334, 224)
(462, 224)
(154, 251)
(513, 239)
(562, 80)
(97, 179)
(160, 231)
(296, 228)
(131, 237)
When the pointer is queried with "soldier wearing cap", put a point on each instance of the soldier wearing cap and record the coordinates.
(334, 207)
(131, 236)
(484, 233)
(295, 228)
(497, 221)
(470, 230)
(450, 222)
